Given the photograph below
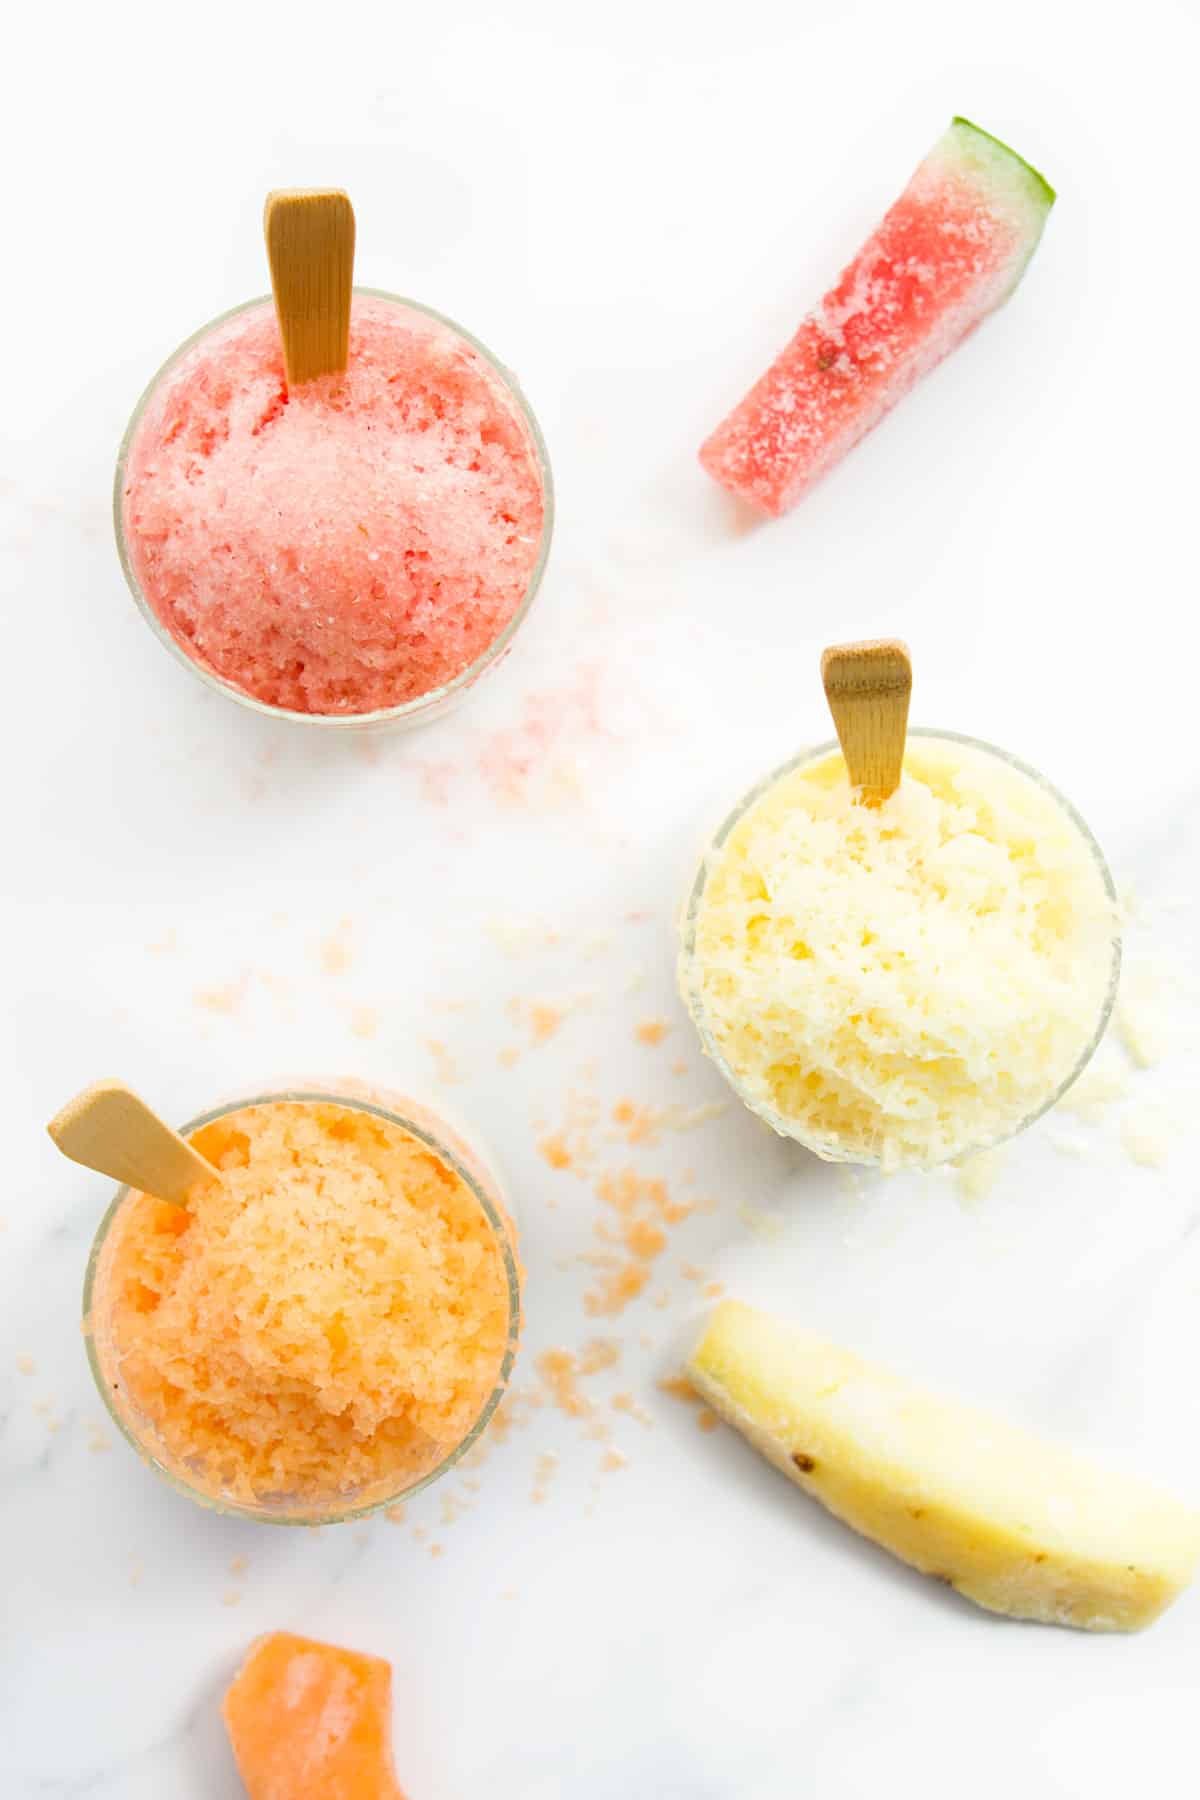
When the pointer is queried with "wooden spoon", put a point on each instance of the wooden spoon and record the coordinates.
(109, 1129)
(868, 687)
(310, 247)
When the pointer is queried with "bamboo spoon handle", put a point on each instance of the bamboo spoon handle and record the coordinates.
(868, 686)
(310, 247)
(109, 1129)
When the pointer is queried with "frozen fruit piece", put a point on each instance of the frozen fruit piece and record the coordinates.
(1017, 1525)
(952, 248)
(310, 1721)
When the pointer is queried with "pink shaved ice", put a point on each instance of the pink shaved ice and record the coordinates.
(347, 547)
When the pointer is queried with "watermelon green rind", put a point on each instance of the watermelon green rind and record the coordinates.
(1040, 188)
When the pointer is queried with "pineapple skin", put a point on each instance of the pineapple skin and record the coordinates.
(1019, 1526)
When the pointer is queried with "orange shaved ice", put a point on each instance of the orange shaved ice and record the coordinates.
(310, 1721)
(346, 547)
(324, 1325)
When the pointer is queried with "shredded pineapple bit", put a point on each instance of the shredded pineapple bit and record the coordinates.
(909, 981)
(326, 1321)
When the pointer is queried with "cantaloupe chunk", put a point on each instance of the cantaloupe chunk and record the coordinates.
(1019, 1526)
(310, 1721)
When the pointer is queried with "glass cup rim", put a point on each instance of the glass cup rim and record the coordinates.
(410, 710)
(503, 1232)
(822, 1147)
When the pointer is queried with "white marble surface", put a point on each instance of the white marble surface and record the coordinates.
(633, 206)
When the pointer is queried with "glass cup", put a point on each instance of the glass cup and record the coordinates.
(426, 707)
(828, 1149)
(466, 1161)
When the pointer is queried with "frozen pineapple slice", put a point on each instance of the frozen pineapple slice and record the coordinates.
(1017, 1525)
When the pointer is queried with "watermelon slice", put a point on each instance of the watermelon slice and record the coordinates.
(310, 1721)
(951, 250)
